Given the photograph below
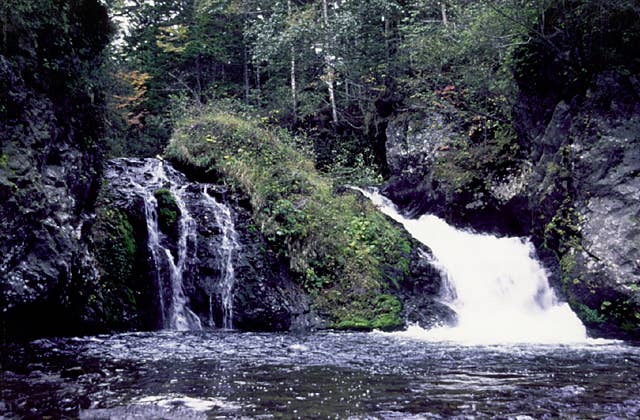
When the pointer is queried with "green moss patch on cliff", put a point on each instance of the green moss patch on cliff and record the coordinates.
(339, 247)
(168, 212)
(121, 297)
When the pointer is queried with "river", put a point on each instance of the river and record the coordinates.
(221, 374)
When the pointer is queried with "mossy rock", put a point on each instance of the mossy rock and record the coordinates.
(168, 212)
(116, 253)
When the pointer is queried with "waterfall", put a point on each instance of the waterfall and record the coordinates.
(499, 290)
(182, 318)
(227, 251)
(145, 177)
(193, 279)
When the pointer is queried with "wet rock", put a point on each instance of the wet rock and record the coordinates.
(228, 276)
(422, 154)
(588, 204)
(420, 294)
(48, 179)
(72, 373)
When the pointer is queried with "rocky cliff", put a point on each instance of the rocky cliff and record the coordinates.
(572, 183)
(51, 113)
(168, 226)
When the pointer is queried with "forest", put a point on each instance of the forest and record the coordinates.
(314, 208)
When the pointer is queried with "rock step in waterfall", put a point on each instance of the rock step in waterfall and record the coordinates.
(172, 256)
(499, 290)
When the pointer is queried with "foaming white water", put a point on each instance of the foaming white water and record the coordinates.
(496, 286)
(229, 247)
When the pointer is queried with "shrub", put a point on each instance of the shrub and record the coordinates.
(339, 247)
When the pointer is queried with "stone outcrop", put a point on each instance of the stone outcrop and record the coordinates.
(47, 181)
(585, 202)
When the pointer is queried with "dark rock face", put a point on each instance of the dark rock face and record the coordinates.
(421, 296)
(422, 152)
(264, 297)
(47, 181)
(585, 195)
(576, 192)
(51, 114)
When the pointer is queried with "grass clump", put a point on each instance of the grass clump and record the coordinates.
(339, 247)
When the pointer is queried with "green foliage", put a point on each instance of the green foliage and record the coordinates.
(576, 39)
(588, 315)
(463, 67)
(336, 244)
(187, 49)
(51, 53)
(562, 233)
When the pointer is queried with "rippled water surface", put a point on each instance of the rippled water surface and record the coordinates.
(358, 375)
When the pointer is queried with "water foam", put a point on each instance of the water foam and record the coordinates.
(496, 286)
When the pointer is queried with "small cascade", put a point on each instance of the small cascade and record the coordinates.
(182, 318)
(228, 249)
(499, 290)
(145, 177)
(153, 243)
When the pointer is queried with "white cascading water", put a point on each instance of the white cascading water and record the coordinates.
(228, 249)
(175, 312)
(182, 318)
(498, 289)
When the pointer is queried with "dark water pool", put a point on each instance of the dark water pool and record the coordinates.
(175, 375)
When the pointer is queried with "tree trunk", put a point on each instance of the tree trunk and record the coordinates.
(198, 76)
(443, 10)
(245, 72)
(331, 75)
(294, 94)
(245, 55)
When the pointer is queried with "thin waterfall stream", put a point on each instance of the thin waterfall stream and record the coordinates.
(172, 255)
(498, 288)
(229, 246)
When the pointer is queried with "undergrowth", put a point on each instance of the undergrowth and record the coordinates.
(345, 253)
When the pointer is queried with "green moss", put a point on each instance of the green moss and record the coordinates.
(339, 247)
(562, 233)
(168, 211)
(116, 250)
(588, 315)
(354, 323)
(116, 244)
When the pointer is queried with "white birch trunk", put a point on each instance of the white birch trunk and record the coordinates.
(331, 75)
(294, 93)
(443, 10)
